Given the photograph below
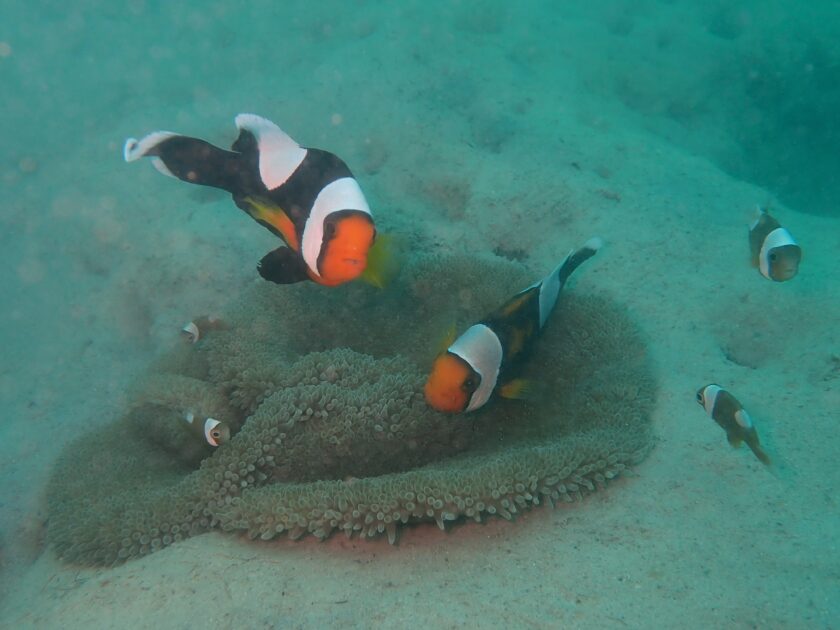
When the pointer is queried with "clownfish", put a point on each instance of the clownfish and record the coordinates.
(772, 248)
(307, 197)
(730, 414)
(211, 430)
(484, 360)
(196, 329)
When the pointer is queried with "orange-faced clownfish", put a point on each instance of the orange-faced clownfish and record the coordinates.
(485, 359)
(211, 430)
(730, 414)
(772, 248)
(307, 197)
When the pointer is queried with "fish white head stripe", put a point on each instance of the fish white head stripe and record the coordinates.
(777, 238)
(209, 425)
(342, 194)
(710, 395)
(481, 349)
(279, 154)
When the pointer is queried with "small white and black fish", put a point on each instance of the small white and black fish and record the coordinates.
(730, 414)
(307, 197)
(197, 328)
(772, 248)
(211, 430)
(486, 358)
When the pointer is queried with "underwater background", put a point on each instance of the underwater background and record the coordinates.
(514, 130)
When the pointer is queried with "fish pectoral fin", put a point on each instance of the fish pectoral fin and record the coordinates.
(272, 217)
(283, 266)
(734, 440)
(383, 261)
(518, 389)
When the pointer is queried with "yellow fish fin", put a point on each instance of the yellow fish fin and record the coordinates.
(447, 340)
(275, 219)
(383, 261)
(518, 389)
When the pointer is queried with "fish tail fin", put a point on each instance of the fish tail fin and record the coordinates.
(758, 451)
(576, 258)
(383, 261)
(190, 160)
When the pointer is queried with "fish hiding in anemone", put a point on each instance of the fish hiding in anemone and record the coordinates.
(212, 431)
(196, 329)
(307, 197)
(730, 414)
(486, 358)
(772, 248)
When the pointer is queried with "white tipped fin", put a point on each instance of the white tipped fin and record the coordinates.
(134, 149)
(759, 212)
(595, 243)
(279, 154)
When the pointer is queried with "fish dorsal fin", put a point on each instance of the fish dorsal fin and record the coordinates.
(757, 214)
(279, 155)
(447, 339)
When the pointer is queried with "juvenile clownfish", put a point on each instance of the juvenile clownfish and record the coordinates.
(772, 248)
(196, 329)
(211, 430)
(730, 414)
(484, 360)
(307, 197)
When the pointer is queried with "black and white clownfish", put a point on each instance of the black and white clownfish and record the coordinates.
(210, 430)
(772, 248)
(307, 197)
(730, 414)
(485, 359)
(198, 328)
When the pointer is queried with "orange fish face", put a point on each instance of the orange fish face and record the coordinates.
(347, 240)
(450, 384)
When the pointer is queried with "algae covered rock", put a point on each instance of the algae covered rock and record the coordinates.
(323, 391)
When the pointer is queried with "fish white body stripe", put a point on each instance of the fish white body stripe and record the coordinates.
(481, 349)
(710, 395)
(777, 238)
(279, 154)
(134, 149)
(342, 194)
(209, 425)
(743, 419)
(550, 290)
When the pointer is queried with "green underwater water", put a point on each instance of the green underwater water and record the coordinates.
(492, 128)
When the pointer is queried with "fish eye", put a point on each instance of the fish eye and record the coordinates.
(469, 384)
(216, 435)
(700, 397)
(773, 257)
(329, 230)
